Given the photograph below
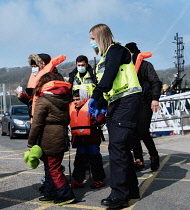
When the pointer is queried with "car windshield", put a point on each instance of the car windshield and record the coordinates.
(20, 110)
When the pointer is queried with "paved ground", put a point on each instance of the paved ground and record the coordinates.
(167, 188)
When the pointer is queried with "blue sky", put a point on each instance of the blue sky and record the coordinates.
(62, 27)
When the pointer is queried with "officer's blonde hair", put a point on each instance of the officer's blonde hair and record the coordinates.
(103, 37)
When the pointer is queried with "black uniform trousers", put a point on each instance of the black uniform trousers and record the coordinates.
(143, 133)
(122, 116)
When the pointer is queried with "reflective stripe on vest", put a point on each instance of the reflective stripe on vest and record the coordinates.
(33, 80)
(122, 94)
(79, 123)
(86, 83)
(125, 83)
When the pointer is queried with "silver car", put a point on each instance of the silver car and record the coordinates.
(16, 122)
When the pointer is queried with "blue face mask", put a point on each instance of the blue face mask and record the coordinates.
(94, 45)
(81, 69)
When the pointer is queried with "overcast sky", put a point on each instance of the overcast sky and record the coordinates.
(62, 27)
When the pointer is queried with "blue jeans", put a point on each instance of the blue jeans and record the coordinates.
(89, 149)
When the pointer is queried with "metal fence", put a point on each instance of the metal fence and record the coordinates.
(174, 114)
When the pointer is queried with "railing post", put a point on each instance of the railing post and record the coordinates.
(181, 120)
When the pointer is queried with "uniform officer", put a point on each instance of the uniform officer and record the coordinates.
(119, 85)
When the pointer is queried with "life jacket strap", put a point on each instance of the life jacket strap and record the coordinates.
(81, 127)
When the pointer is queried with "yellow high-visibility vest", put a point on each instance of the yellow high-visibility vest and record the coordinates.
(125, 83)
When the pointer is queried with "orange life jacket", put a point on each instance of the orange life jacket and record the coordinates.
(34, 79)
(79, 122)
(48, 86)
(140, 58)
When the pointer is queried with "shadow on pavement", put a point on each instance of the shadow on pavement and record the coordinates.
(171, 171)
(20, 195)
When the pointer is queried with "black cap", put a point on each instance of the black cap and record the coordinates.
(132, 46)
(45, 57)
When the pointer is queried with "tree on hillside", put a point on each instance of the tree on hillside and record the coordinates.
(14, 77)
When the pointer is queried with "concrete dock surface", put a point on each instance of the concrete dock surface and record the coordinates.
(165, 189)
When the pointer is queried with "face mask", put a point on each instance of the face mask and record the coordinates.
(94, 45)
(35, 70)
(81, 69)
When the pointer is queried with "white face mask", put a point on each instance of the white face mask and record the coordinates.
(35, 70)
(81, 69)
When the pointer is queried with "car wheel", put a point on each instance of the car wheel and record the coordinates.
(11, 133)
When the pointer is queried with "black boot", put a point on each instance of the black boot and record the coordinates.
(113, 203)
(45, 200)
(155, 163)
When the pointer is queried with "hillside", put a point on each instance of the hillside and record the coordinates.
(18, 76)
(167, 76)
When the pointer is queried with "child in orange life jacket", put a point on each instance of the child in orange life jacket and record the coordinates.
(86, 138)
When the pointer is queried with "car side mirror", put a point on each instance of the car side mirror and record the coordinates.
(6, 114)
